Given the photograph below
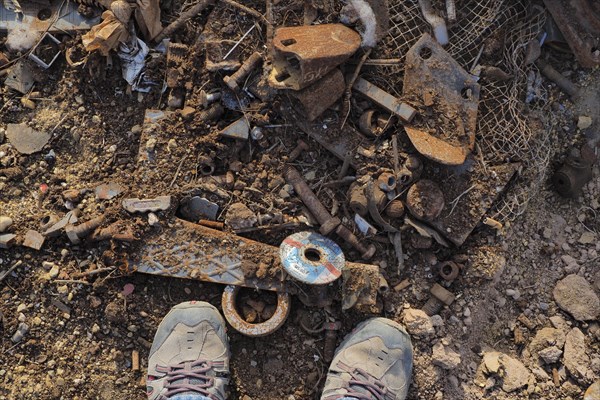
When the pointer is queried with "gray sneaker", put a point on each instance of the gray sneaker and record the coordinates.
(374, 362)
(190, 353)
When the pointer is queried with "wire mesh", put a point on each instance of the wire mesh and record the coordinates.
(496, 33)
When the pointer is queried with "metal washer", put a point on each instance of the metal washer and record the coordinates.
(328, 257)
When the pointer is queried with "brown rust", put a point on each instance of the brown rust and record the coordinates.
(425, 200)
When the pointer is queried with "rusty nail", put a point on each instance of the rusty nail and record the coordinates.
(212, 224)
(207, 98)
(300, 147)
(234, 80)
(329, 346)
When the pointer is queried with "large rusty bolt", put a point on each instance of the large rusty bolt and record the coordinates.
(439, 297)
(425, 200)
(236, 79)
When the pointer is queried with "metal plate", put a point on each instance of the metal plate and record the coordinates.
(312, 258)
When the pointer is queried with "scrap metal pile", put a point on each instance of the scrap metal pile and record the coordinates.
(423, 106)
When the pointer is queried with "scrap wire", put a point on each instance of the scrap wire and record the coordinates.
(457, 199)
(239, 41)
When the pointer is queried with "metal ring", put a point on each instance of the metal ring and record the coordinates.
(449, 270)
(255, 330)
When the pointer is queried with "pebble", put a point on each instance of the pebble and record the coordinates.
(445, 357)
(550, 354)
(514, 293)
(417, 322)
(21, 307)
(22, 329)
(514, 374)
(575, 359)
(5, 222)
(584, 122)
(153, 219)
(576, 296)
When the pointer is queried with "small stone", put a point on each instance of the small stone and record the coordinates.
(53, 273)
(550, 354)
(153, 219)
(577, 297)
(445, 357)
(5, 222)
(546, 337)
(587, 237)
(513, 373)
(584, 122)
(437, 320)
(22, 329)
(417, 322)
(515, 294)
(95, 328)
(21, 307)
(239, 216)
(575, 359)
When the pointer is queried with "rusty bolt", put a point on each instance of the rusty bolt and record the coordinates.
(236, 79)
(329, 346)
(439, 297)
(300, 147)
(358, 200)
(206, 165)
(386, 181)
(212, 113)
(114, 232)
(328, 223)
(207, 98)
(448, 270)
(76, 233)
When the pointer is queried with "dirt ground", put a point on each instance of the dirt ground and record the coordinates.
(87, 310)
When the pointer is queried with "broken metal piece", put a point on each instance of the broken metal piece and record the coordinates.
(434, 79)
(318, 97)
(53, 228)
(438, 24)
(7, 240)
(359, 289)
(197, 208)
(425, 200)
(561, 81)
(234, 81)
(114, 232)
(382, 98)
(371, 124)
(230, 311)
(25, 139)
(36, 15)
(48, 40)
(311, 258)
(239, 130)
(439, 297)
(579, 22)
(304, 54)
(145, 205)
(20, 77)
(107, 191)
(34, 240)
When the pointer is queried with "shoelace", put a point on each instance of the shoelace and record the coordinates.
(179, 377)
(360, 378)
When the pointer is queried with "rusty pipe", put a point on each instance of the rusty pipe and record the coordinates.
(76, 233)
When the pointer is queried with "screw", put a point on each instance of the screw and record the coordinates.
(439, 297)
(207, 98)
(300, 147)
(76, 233)
(234, 80)
(211, 114)
(328, 223)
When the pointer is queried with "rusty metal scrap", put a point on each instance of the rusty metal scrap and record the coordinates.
(304, 54)
(403, 110)
(579, 22)
(318, 97)
(433, 79)
(187, 250)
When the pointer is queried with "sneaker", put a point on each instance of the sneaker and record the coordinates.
(374, 362)
(190, 354)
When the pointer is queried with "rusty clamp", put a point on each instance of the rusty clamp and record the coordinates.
(228, 303)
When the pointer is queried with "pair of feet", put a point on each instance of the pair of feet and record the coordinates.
(190, 357)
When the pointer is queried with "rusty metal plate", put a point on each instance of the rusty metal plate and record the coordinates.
(304, 54)
(579, 22)
(187, 250)
(447, 97)
(469, 191)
